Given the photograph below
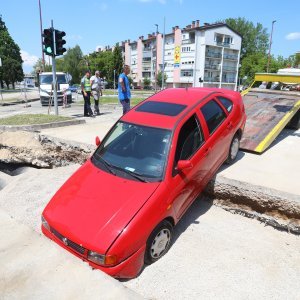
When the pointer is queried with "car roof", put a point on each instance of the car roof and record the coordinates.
(188, 97)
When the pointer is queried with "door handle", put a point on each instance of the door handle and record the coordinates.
(206, 152)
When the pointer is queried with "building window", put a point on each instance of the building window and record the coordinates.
(228, 40)
(185, 49)
(186, 73)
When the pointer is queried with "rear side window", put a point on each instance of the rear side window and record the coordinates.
(227, 103)
(213, 114)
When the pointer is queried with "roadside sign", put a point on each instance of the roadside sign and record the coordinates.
(177, 57)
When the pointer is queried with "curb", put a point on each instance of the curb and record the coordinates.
(276, 208)
(18, 102)
(37, 127)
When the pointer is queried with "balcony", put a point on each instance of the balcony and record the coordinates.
(223, 44)
(188, 41)
(230, 56)
(229, 69)
(228, 80)
(213, 54)
(211, 79)
(212, 67)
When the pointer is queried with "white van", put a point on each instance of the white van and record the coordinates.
(46, 88)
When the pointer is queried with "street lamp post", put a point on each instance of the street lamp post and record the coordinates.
(41, 25)
(155, 77)
(163, 57)
(269, 55)
(114, 82)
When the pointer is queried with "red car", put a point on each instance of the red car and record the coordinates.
(119, 209)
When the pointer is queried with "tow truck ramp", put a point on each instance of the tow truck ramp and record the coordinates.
(268, 112)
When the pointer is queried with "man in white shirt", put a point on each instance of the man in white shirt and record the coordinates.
(96, 91)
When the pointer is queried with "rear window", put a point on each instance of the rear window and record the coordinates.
(213, 114)
(161, 108)
(226, 102)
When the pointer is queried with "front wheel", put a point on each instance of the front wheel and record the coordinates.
(158, 242)
(233, 150)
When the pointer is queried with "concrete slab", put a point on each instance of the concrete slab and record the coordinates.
(54, 275)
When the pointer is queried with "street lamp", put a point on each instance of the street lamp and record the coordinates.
(269, 55)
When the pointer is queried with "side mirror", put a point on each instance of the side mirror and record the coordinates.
(184, 164)
(97, 141)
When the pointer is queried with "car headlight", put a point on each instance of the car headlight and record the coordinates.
(100, 259)
(45, 223)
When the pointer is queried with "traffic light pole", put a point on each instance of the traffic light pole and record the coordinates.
(54, 81)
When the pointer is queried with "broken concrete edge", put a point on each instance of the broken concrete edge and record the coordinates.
(36, 127)
(275, 208)
(18, 102)
(28, 257)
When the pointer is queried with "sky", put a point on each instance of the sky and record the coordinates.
(95, 23)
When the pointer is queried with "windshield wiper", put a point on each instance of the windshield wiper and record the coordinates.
(133, 174)
(107, 165)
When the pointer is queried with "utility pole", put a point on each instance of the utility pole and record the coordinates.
(163, 58)
(155, 77)
(0, 85)
(54, 80)
(269, 55)
(114, 82)
(41, 27)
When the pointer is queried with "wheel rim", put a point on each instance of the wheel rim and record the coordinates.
(234, 148)
(160, 243)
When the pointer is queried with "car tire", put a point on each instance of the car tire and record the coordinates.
(158, 242)
(233, 150)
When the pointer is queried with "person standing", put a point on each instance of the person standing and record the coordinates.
(86, 93)
(96, 91)
(124, 89)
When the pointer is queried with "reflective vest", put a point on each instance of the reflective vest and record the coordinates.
(87, 85)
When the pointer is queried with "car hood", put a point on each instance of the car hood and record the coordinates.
(93, 207)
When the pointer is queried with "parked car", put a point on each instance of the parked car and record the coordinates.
(118, 210)
(73, 88)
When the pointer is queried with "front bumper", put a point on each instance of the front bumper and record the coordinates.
(128, 268)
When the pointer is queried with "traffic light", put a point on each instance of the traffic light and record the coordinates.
(48, 41)
(59, 42)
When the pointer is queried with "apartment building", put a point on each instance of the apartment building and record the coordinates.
(206, 56)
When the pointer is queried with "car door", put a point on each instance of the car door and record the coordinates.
(219, 131)
(184, 186)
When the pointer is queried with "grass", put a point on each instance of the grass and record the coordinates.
(31, 119)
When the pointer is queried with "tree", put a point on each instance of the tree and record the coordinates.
(146, 82)
(255, 38)
(102, 61)
(159, 78)
(11, 70)
(73, 63)
(118, 59)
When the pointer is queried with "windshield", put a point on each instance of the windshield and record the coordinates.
(47, 79)
(133, 150)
